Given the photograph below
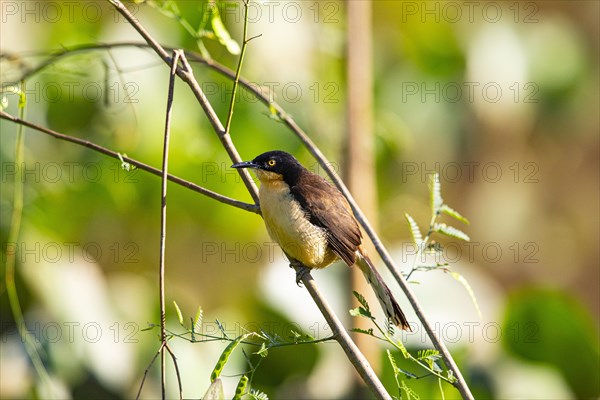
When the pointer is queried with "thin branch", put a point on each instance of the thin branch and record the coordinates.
(342, 337)
(187, 76)
(159, 351)
(116, 155)
(163, 219)
(238, 71)
(176, 370)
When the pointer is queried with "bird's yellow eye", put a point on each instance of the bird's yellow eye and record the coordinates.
(271, 163)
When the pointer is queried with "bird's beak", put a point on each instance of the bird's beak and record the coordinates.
(245, 164)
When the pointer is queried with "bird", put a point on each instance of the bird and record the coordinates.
(313, 223)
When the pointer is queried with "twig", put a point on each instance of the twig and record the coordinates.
(238, 71)
(155, 171)
(163, 220)
(342, 337)
(159, 351)
(176, 370)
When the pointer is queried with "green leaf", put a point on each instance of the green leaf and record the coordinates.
(179, 315)
(430, 356)
(402, 349)
(415, 231)
(450, 231)
(395, 368)
(225, 357)
(198, 320)
(263, 351)
(149, 327)
(454, 214)
(222, 34)
(359, 311)
(410, 394)
(465, 283)
(435, 193)
(365, 331)
(215, 391)
(240, 389)
(361, 299)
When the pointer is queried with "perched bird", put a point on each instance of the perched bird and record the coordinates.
(313, 223)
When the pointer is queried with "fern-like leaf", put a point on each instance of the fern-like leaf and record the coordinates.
(179, 315)
(198, 320)
(361, 299)
(256, 394)
(402, 349)
(410, 394)
(435, 193)
(450, 231)
(364, 331)
(453, 213)
(415, 231)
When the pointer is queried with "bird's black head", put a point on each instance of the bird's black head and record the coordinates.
(276, 164)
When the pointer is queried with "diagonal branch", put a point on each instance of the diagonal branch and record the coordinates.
(187, 75)
(155, 171)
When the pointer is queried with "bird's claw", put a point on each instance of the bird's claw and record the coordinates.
(301, 271)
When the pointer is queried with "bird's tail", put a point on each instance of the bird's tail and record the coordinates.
(384, 295)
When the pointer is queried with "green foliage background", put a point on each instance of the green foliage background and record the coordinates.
(541, 212)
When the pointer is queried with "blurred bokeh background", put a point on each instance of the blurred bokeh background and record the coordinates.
(501, 98)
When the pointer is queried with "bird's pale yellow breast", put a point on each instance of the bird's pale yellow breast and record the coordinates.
(288, 225)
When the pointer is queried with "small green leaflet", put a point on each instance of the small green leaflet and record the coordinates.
(402, 349)
(430, 356)
(366, 332)
(256, 394)
(179, 315)
(415, 231)
(263, 351)
(361, 299)
(435, 193)
(410, 394)
(198, 320)
(453, 213)
(450, 231)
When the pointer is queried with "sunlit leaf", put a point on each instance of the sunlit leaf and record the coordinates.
(435, 193)
(256, 394)
(198, 320)
(415, 231)
(178, 311)
(450, 231)
(453, 213)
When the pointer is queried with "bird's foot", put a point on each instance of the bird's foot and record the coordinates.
(301, 271)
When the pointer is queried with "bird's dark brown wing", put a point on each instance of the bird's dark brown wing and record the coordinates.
(329, 209)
